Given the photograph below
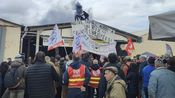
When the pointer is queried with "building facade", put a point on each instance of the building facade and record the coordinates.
(10, 34)
(153, 46)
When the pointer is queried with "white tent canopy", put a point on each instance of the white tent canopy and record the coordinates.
(162, 26)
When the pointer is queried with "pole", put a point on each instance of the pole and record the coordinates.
(37, 40)
(25, 33)
(65, 50)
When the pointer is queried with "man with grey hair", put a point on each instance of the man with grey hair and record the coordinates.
(161, 83)
(115, 85)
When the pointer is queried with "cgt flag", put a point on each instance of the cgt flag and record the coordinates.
(129, 47)
(55, 40)
(76, 43)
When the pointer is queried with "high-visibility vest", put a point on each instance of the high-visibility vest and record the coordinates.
(76, 77)
(95, 78)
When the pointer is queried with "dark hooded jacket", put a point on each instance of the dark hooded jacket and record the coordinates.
(21, 72)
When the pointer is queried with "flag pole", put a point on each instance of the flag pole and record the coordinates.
(65, 50)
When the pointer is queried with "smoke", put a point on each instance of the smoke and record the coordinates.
(59, 13)
(90, 12)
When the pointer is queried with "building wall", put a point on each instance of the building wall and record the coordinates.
(155, 47)
(12, 42)
(2, 42)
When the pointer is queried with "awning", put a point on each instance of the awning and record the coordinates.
(162, 27)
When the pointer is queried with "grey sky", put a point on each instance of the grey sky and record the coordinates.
(127, 15)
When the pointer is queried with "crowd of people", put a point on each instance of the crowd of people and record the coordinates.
(87, 76)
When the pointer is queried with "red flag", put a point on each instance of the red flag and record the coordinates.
(129, 47)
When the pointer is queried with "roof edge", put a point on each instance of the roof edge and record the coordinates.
(11, 22)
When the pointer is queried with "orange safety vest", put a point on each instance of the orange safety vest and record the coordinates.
(95, 78)
(76, 77)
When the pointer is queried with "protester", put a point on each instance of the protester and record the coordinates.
(103, 61)
(40, 78)
(59, 84)
(51, 61)
(3, 69)
(143, 63)
(132, 81)
(95, 71)
(62, 65)
(63, 68)
(146, 74)
(85, 60)
(161, 83)
(47, 59)
(171, 64)
(9, 61)
(113, 61)
(77, 77)
(16, 74)
(115, 85)
(126, 65)
(65, 87)
(69, 60)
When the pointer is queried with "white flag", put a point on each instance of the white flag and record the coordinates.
(76, 43)
(55, 40)
(169, 50)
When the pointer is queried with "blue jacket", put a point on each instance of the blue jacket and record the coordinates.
(161, 83)
(146, 74)
(76, 65)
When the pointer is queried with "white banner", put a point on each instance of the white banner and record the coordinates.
(96, 30)
(55, 40)
(90, 45)
(101, 49)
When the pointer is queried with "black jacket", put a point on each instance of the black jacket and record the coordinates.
(132, 81)
(40, 79)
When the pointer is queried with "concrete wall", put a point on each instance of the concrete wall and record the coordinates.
(12, 42)
(155, 47)
(2, 42)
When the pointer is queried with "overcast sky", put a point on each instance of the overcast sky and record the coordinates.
(127, 15)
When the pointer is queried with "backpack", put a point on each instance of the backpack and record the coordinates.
(11, 78)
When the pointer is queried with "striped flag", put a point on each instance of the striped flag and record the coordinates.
(55, 40)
